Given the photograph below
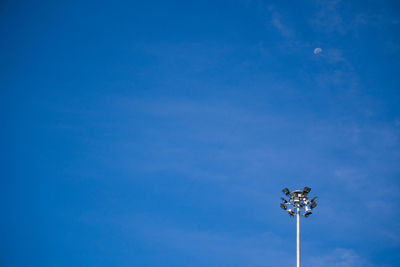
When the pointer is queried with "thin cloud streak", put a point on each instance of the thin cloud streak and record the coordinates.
(278, 24)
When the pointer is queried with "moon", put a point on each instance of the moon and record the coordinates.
(317, 50)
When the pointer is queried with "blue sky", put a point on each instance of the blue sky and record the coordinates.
(161, 133)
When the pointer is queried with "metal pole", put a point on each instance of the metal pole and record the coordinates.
(298, 237)
(298, 200)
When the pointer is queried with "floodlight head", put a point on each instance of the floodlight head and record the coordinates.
(313, 205)
(297, 202)
(286, 191)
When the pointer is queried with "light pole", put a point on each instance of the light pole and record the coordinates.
(298, 204)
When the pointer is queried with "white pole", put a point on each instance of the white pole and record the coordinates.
(298, 237)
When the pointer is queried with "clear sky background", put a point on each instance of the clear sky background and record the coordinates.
(161, 133)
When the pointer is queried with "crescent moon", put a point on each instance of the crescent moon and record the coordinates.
(317, 50)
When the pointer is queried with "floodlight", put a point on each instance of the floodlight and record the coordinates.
(286, 191)
(308, 213)
(313, 205)
(298, 204)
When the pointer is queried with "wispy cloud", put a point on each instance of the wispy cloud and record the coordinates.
(276, 21)
(334, 16)
(339, 257)
(250, 249)
(328, 17)
(335, 55)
